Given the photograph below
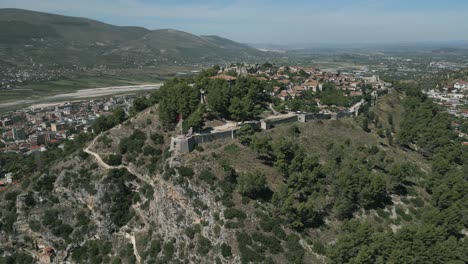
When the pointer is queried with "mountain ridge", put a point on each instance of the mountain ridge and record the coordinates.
(29, 38)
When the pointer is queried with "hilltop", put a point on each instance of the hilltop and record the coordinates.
(322, 191)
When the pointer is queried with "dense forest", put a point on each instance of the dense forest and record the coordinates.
(439, 235)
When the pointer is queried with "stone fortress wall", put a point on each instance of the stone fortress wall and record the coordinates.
(188, 143)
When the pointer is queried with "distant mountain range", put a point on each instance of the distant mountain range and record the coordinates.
(33, 37)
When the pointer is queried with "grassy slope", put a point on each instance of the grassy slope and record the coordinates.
(315, 138)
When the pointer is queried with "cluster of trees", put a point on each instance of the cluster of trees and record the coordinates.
(23, 165)
(134, 143)
(329, 95)
(52, 220)
(93, 251)
(415, 243)
(332, 96)
(252, 184)
(241, 100)
(305, 103)
(104, 123)
(349, 176)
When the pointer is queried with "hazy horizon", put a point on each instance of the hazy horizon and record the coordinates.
(294, 23)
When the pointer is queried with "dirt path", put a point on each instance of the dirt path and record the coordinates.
(137, 208)
(131, 237)
(109, 167)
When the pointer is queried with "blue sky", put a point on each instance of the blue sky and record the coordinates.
(279, 22)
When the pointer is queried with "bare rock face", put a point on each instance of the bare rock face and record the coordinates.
(139, 211)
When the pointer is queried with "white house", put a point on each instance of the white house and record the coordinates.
(460, 85)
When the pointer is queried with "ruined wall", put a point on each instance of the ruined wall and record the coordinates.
(344, 114)
(312, 117)
(267, 124)
(203, 138)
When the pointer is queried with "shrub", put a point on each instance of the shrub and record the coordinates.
(243, 238)
(252, 184)
(233, 225)
(82, 219)
(414, 211)
(294, 130)
(279, 232)
(231, 213)
(232, 149)
(133, 144)
(50, 217)
(295, 250)
(11, 196)
(406, 217)
(418, 202)
(185, 172)
(207, 176)
(382, 213)
(150, 151)
(226, 250)
(35, 225)
(204, 245)
(114, 160)
(319, 248)
(45, 183)
(273, 244)
(20, 258)
(62, 230)
(29, 200)
(190, 232)
(169, 250)
(157, 138)
(399, 210)
(405, 200)
(226, 200)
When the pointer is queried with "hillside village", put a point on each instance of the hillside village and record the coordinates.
(290, 82)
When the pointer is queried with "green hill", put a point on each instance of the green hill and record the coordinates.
(329, 191)
(28, 38)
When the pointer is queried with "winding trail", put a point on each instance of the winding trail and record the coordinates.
(109, 167)
(135, 250)
(137, 208)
